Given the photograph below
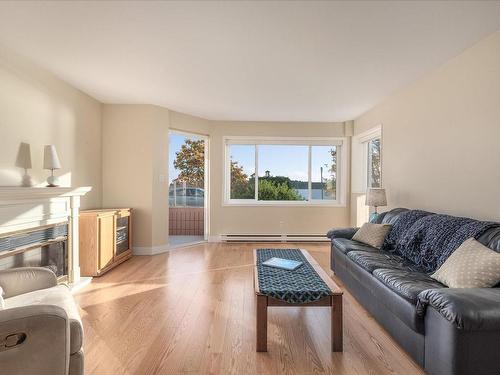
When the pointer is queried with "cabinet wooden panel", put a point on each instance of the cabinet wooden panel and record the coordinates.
(105, 239)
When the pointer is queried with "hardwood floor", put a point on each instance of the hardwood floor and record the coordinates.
(193, 310)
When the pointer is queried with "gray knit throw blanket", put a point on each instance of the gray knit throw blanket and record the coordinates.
(401, 226)
(433, 238)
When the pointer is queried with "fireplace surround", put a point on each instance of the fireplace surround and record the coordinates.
(39, 227)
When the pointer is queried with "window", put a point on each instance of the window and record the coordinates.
(283, 171)
(373, 163)
(242, 172)
(324, 172)
(366, 162)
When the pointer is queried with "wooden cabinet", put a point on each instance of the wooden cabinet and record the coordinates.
(105, 239)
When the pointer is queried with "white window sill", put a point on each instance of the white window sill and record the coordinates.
(283, 204)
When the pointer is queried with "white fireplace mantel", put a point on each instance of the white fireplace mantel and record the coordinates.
(24, 208)
(14, 192)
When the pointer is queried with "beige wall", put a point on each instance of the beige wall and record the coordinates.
(234, 219)
(39, 109)
(135, 154)
(440, 147)
(245, 219)
(188, 123)
(441, 136)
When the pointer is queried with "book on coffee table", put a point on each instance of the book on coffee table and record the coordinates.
(285, 264)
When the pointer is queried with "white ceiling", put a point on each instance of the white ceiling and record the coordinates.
(280, 61)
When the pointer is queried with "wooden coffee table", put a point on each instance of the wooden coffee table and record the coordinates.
(334, 301)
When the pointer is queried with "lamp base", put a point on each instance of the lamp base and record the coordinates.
(373, 217)
(27, 181)
(52, 181)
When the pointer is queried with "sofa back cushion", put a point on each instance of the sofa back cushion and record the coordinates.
(491, 238)
(407, 229)
(390, 217)
(433, 238)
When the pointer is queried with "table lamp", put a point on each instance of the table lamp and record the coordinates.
(24, 161)
(375, 197)
(51, 161)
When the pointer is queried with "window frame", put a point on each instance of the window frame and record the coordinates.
(342, 154)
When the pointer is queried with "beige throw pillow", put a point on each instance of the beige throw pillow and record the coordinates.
(372, 234)
(472, 265)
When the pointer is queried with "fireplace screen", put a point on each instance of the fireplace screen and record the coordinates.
(45, 247)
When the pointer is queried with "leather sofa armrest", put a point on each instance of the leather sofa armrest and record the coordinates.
(35, 339)
(474, 309)
(341, 233)
(17, 281)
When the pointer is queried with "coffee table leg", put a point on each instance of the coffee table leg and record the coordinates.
(337, 339)
(261, 323)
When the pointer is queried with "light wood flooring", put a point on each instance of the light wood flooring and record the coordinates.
(192, 310)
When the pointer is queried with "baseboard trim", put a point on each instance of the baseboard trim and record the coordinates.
(150, 250)
(215, 238)
(272, 237)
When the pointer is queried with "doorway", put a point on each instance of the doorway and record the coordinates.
(188, 188)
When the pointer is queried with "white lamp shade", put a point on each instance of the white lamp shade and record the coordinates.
(50, 158)
(376, 197)
(24, 156)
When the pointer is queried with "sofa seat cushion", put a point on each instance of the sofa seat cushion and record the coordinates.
(60, 296)
(406, 283)
(345, 245)
(370, 261)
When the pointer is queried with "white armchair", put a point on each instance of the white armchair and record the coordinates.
(40, 327)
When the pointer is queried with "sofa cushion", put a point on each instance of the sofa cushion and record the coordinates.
(345, 245)
(406, 283)
(390, 217)
(372, 234)
(491, 238)
(371, 261)
(472, 265)
(60, 296)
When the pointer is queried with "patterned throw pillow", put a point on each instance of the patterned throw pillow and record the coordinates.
(372, 234)
(472, 265)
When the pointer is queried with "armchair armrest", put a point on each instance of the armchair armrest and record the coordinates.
(34, 340)
(342, 233)
(26, 279)
(475, 309)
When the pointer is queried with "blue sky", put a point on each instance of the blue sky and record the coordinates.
(280, 160)
(290, 161)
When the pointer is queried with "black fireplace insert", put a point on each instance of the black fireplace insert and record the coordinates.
(39, 247)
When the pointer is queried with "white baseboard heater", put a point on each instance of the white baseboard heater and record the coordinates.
(266, 237)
